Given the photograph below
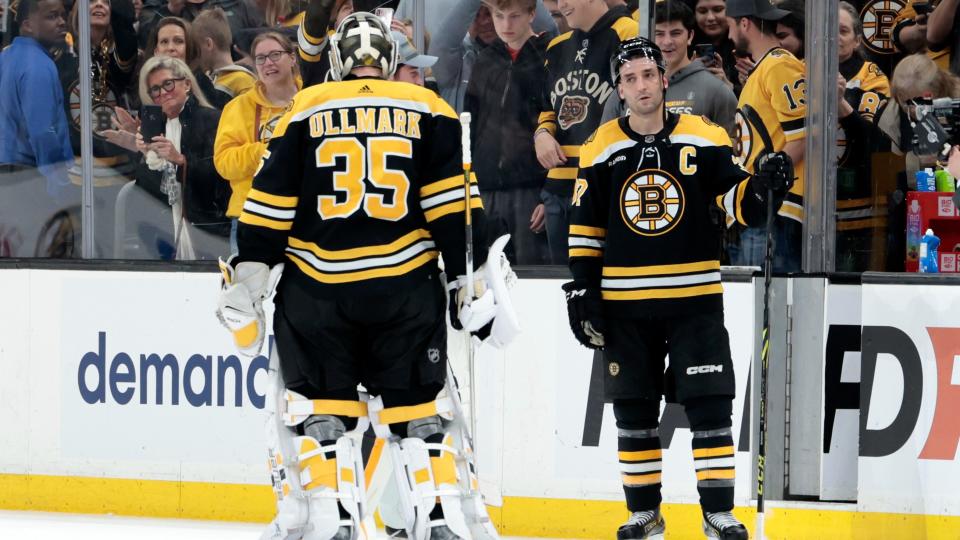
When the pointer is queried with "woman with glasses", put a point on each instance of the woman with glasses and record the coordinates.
(248, 120)
(178, 165)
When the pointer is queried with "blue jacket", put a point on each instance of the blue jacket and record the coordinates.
(33, 125)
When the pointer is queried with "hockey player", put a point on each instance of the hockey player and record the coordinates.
(359, 192)
(646, 282)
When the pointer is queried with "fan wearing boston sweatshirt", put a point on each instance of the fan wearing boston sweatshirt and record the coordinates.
(576, 90)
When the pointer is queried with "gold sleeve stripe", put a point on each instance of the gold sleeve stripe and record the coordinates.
(559, 39)
(443, 185)
(310, 57)
(738, 205)
(363, 275)
(434, 214)
(640, 455)
(279, 201)
(562, 173)
(585, 252)
(356, 253)
(251, 219)
(571, 150)
(712, 452)
(658, 294)
(583, 230)
(310, 39)
(792, 211)
(685, 268)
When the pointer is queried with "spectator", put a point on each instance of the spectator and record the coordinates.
(321, 17)
(910, 30)
(464, 32)
(211, 38)
(712, 29)
(862, 88)
(172, 38)
(691, 89)
(240, 14)
(943, 31)
(33, 128)
(504, 113)
(411, 63)
(558, 18)
(790, 29)
(248, 121)
(770, 118)
(577, 86)
(178, 166)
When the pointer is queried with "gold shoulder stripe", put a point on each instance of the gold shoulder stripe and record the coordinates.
(626, 28)
(273, 200)
(560, 39)
(604, 139)
(695, 127)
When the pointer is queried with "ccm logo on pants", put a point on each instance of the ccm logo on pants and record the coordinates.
(695, 370)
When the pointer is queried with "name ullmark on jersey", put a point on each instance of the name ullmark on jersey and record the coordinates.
(365, 120)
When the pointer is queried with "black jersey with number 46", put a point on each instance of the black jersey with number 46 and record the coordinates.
(640, 226)
(360, 190)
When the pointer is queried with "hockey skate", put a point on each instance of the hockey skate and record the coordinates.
(724, 526)
(643, 525)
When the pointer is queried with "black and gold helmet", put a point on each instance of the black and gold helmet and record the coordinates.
(362, 40)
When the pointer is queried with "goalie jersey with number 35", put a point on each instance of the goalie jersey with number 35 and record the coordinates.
(360, 190)
(640, 226)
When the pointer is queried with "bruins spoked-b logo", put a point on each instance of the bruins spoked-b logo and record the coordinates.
(878, 18)
(651, 202)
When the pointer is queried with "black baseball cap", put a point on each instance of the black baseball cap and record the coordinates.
(761, 9)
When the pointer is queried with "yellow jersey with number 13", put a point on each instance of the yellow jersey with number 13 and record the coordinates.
(772, 112)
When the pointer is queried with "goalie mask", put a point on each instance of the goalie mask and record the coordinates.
(634, 49)
(362, 40)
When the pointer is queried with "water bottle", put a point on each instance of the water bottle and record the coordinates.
(928, 252)
(945, 182)
(926, 180)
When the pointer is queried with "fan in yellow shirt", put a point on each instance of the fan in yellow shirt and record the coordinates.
(247, 121)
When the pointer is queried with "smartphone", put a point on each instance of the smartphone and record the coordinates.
(385, 15)
(922, 8)
(152, 122)
(705, 53)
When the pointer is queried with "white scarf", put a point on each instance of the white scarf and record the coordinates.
(173, 189)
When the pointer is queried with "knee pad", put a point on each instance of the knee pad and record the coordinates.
(637, 413)
(316, 474)
(709, 413)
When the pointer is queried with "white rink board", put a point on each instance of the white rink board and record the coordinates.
(537, 389)
(918, 471)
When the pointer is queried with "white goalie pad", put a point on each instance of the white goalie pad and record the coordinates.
(493, 282)
(309, 485)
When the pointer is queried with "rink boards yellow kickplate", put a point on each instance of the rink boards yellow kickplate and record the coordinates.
(519, 516)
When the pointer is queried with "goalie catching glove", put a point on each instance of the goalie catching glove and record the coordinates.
(490, 313)
(585, 311)
(240, 308)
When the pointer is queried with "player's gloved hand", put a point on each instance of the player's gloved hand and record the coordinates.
(489, 313)
(585, 310)
(240, 307)
(774, 172)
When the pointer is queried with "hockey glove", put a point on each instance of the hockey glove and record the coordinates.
(490, 312)
(585, 310)
(240, 308)
(774, 172)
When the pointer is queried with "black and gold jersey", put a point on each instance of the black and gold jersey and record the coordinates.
(360, 190)
(578, 84)
(772, 112)
(867, 89)
(640, 224)
(314, 56)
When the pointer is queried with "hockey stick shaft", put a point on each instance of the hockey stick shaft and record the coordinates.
(764, 363)
(468, 230)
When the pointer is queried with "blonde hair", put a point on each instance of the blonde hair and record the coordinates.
(917, 75)
(177, 68)
(213, 24)
(284, 43)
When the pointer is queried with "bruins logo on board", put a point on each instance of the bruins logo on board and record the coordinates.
(742, 139)
(573, 110)
(651, 202)
(878, 18)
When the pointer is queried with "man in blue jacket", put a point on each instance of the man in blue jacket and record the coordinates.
(33, 126)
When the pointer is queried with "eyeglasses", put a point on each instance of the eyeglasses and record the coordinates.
(274, 57)
(166, 85)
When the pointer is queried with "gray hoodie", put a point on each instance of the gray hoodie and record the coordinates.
(692, 90)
